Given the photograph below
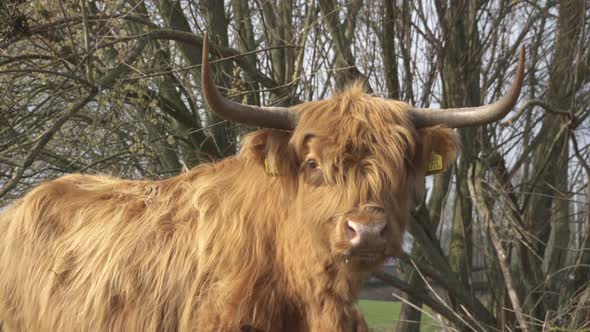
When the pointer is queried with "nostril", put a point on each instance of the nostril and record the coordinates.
(352, 225)
(354, 232)
(351, 229)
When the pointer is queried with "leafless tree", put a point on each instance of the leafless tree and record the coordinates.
(502, 240)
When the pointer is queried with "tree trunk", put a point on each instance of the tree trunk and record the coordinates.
(389, 51)
(461, 56)
(347, 71)
(246, 43)
(548, 208)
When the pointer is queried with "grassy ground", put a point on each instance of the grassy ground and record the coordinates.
(383, 315)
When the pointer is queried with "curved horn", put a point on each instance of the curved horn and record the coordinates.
(270, 117)
(472, 116)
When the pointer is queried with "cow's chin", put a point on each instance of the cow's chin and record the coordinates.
(360, 260)
(365, 262)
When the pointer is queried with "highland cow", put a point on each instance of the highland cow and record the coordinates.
(277, 238)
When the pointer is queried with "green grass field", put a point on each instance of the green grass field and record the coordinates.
(383, 315)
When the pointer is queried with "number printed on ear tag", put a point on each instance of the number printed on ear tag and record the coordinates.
(435, 165)
(270, 168)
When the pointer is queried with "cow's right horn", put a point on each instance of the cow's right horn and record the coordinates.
(472, 116)
(269, 117)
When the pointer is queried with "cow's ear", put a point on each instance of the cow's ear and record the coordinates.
(436, 149)
(270, 149)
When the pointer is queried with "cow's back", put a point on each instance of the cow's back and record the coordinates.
(93, 253)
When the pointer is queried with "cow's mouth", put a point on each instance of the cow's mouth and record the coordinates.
(365, 258)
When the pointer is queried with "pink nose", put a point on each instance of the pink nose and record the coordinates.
(361, 234)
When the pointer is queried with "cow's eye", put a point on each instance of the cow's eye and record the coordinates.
(312, 163)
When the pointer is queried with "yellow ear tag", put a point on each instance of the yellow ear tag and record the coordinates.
(435, 165)
(270, 168)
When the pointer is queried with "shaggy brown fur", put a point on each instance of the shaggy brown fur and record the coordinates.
(225, 245)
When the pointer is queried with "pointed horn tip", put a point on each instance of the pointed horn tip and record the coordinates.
(517, 84)
(464, 117)
(521, 58)
(205, 54)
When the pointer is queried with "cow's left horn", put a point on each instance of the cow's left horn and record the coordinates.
(472, 116)
(270, 117)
